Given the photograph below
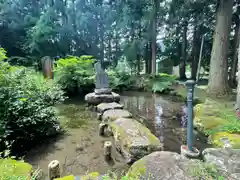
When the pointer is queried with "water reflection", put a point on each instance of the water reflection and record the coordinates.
(157, 113)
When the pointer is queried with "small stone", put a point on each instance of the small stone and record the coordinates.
(79, 147)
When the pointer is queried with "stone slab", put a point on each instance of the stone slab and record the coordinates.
(101, 108)
(133, 139)
(103, 91)
(113, 114)
(95, 99)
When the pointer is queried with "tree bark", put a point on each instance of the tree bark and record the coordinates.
(154, 35)
(182, 67)
(238, 87)
(217, 85)
(195, 50)
(233, 70)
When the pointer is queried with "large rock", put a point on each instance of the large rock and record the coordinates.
(113, 114)
(226, 160)
(133, 139)
(165, 165)
(101, 108)
(224, 139)
(95, 99)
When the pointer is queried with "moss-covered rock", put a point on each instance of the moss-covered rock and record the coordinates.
(70, 177)
(12, 168)
(90, 176)
(208, 123)
(166, 165)
(134, 139)
(207, 110)
(223, 139)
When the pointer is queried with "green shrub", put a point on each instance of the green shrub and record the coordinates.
(163, 82)
(27, 105)
(75, 74)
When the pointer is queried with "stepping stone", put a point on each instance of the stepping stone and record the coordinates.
(113, 114)
(101, 108)
(95, 99)
(133, 139)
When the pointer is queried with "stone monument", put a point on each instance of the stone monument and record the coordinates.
(102, 92)
(47, 67)
(101, 85)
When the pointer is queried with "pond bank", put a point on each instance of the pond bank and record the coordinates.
(79, 150)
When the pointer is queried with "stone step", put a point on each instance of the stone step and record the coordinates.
(101, 108)
(113, 114)
(133, 139)
(95, 99)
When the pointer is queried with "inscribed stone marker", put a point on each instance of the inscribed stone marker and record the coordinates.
(101, 77)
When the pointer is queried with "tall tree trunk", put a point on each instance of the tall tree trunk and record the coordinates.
(238, 87)
(154, 35)
(233, 70)
(217, 85)
(195, 49)
(182, 68)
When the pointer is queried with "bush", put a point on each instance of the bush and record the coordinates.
(75, 74)
(27, 105)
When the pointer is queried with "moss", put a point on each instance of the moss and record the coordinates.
(70, 177)
(207, 110)
(10, 168)
(91, 176)
(234, 139)
(126, 140)
(137, 169)
(208, 123)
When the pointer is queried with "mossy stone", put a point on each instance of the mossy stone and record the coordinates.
(91, 176)
(70, 177)
(234, 139)
(13, 168)
(205, 123)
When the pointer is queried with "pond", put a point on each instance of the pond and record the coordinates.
(80, 149)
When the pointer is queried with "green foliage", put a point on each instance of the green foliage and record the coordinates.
(163, 82)
(2, 54)
(75, 73)
(27, 105)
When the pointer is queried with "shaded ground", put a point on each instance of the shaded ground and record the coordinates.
(80, 150)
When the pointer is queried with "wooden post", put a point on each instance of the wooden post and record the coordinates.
(53, 170)
(107, 149)
(102, 127)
